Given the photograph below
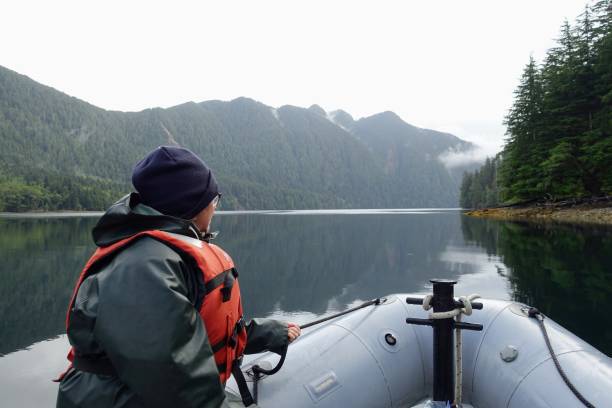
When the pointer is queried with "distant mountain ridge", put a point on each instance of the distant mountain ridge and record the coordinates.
(264, 157)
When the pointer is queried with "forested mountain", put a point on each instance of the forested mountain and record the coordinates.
(405, 151)
(560, 126)
(58, 152)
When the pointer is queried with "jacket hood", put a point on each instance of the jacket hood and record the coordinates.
(129, 216)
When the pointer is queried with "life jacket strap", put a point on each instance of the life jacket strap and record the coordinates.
(225, 278)
(243, 388)
(232, 341)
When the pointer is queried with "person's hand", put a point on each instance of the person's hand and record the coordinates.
(293, 332)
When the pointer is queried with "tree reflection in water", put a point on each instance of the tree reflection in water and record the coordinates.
(564, 270)
(41, 258)
(287, 263)
(313, 263)
(303, 262)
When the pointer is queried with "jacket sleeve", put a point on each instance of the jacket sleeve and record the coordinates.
(265, 334)
(151, 331)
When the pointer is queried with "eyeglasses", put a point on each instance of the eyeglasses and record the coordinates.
(215, 201)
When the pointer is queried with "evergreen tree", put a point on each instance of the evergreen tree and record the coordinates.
(480, 188)
(520, 174)
(559, 128)
(564, 118)
(597, 144)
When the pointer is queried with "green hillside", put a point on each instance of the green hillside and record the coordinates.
(58, 152)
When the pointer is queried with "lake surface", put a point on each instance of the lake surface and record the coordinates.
(299, 265)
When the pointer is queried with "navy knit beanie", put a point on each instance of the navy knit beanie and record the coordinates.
(174, 181)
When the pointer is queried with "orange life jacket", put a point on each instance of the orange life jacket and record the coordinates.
(221, 309)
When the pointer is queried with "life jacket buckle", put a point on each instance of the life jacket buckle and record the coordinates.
(228, 284)
(226, 292)
(240, 324)
(233, 340)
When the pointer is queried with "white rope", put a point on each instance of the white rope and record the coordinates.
(427, 301)
(466, 310)
(455, 313)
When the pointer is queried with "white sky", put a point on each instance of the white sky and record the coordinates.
(445, 65)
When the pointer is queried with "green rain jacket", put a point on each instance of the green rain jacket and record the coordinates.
(138, 310)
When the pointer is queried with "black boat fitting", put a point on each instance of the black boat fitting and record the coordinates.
(443, 348)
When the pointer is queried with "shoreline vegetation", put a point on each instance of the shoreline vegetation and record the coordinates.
(346, 211)
(558, 132)
(574, 211)
(50, 214)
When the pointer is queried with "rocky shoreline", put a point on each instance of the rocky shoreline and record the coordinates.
(589, 212)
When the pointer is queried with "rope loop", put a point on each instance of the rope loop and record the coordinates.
(467, 306)
(466, 309)
(427, 302)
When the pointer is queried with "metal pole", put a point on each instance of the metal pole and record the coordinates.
(443, 350)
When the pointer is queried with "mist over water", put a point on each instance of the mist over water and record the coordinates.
(299, 265)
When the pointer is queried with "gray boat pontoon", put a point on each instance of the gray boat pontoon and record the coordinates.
(386, 355)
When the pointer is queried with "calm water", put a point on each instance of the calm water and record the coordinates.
(299, 265)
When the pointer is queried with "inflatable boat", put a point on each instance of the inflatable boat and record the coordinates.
(393, 353)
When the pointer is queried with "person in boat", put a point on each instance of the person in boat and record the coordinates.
(156, 318)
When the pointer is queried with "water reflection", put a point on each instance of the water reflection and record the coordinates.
(301, 262)
(25, 376)
(564, 270)
(288, 263)
(40, 261)
(305, 264)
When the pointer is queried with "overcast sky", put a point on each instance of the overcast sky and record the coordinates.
(445, 65)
